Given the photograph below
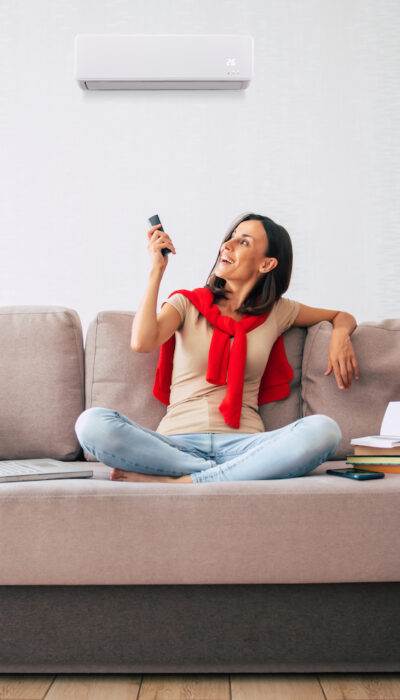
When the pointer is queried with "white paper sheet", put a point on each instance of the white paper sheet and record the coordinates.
(391, 421)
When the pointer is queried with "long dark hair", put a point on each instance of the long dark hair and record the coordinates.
(271, 285)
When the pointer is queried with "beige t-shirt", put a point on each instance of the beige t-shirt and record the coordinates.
(194, 402)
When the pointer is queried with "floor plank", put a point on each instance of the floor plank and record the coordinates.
(360, 686)
(22, 686)
(276, 686)
(95, 686)
(203, 686)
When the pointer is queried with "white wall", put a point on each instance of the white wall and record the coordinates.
(313, 143)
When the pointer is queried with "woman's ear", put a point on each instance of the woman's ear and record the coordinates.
(268, 264)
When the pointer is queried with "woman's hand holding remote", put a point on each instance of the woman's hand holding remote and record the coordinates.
(144, 328)
(157, 241)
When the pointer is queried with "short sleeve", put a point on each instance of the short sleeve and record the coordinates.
(180, 303)
(286, 312)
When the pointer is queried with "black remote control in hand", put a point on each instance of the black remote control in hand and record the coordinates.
(154, 221)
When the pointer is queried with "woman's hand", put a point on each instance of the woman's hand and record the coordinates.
(341, 358)
(157, 241)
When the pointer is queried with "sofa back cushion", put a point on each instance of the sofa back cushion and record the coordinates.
(118, 377)
(359, 410)
(277, 414)
(41, 379)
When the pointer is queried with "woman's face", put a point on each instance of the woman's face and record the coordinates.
(246, 251)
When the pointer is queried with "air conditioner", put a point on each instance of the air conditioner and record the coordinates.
(164, 61)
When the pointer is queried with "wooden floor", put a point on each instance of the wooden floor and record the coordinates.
(307, 686)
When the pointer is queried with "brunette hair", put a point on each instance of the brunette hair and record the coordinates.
(271, 285)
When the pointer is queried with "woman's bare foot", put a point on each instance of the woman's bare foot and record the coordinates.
(122, 475)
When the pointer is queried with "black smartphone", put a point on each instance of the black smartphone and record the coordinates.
(358, 474)
(154, 221)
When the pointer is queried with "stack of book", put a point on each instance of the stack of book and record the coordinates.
(380, 453)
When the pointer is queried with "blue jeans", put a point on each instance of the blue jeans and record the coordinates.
(291, 451)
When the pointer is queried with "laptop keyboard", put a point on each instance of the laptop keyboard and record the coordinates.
(18, 468)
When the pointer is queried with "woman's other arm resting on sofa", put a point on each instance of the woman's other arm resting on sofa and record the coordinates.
(344, 321)
(341, 356)
(308, 315)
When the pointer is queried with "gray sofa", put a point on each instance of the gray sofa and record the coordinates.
(283, 575)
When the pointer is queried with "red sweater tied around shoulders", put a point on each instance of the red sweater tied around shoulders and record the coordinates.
(227, 365)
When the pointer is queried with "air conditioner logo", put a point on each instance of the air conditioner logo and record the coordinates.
(231, 61)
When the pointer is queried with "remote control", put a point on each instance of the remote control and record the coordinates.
(154, 221)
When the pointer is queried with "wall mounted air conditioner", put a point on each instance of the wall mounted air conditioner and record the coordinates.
(164, 61)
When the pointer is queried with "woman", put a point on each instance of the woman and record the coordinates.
(194, 441)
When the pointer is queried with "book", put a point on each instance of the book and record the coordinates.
(386, 468)
(367, 450)
(373, 459)
(389, 434)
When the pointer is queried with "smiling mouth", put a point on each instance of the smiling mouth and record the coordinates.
(222, 262)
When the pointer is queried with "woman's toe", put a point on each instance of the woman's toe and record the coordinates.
(117, 475)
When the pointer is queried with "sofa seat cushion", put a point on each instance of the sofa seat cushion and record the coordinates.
(317, 528)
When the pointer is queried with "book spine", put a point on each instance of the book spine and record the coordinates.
(365, 450)
(387, 468)
(372, 459)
